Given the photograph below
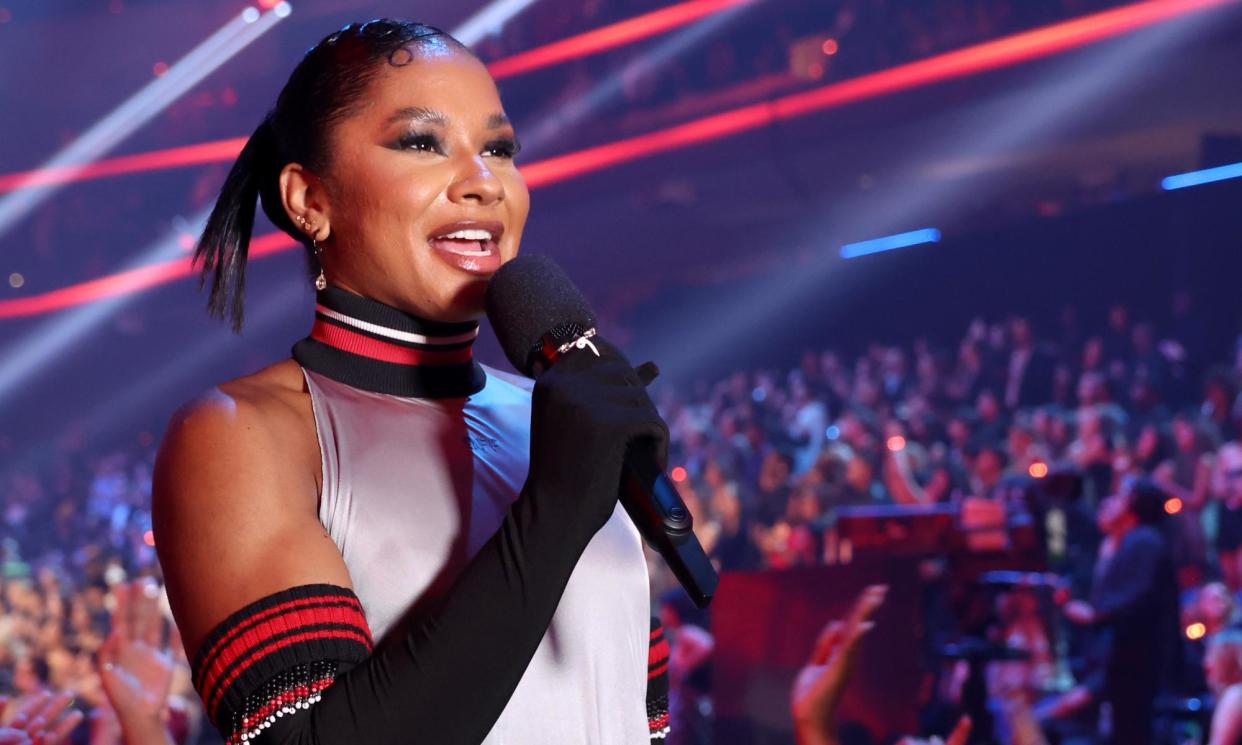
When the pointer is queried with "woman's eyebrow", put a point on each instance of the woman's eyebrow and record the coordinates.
(496, 121)
(417, 114)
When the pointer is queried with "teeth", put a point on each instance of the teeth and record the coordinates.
(461, 251)
(468, 235)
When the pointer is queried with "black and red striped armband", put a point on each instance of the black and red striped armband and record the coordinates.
(277, 655)
(657, 682)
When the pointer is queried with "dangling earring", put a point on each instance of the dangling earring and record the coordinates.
(320, 281)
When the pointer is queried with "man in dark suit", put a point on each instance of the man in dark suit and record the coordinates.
(1029, 380)
(1133, 611)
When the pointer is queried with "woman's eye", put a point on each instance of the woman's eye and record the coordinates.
(423, 142)
(503, 148)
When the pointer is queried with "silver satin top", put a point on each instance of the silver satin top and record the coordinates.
(412, 488)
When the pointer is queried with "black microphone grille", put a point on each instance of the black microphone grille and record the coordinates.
(529, 297)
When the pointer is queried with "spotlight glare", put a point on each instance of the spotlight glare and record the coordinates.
(896, 443)
(1196, 631)
(149, 538)
(250, 14)
(16, 280)
(678, 474)
(1173, 505)
(282, 10)
(1038, 470)
(830, 47)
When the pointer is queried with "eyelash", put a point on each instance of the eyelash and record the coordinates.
(505, 148)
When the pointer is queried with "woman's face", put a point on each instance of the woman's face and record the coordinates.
(429, 153)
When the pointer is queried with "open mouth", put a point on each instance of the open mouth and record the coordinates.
(471, 242)
(469, 245)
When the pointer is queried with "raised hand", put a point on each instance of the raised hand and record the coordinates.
(819, 685)
(135, 668)
(38, 719)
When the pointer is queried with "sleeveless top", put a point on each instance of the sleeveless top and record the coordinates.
(414, 485)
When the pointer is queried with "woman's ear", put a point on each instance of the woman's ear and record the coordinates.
(304, 200)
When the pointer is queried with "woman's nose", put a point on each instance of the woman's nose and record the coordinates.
(475, 182)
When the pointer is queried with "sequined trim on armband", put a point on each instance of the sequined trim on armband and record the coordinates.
(657, 683)
(277, 655)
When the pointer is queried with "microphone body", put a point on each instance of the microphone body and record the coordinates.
(665, 524)
(539, 316)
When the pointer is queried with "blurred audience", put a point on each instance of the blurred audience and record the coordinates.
(767, 460)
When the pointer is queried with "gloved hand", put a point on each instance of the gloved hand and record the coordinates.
(586, 410)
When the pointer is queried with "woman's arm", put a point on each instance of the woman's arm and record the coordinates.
(235, 512)
(237, 529)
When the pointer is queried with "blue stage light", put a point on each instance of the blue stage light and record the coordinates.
(890, 242)
(1205, 176)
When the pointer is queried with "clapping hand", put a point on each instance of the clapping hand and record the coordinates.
(38, 719)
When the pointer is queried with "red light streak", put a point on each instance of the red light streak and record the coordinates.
(1011, 50)
(1007, 51)
(582, 45)
(131, 280)
(609, 37)
(189, 155)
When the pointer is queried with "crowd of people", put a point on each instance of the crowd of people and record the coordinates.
(767, 460)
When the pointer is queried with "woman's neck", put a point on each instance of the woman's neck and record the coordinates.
(373, 346)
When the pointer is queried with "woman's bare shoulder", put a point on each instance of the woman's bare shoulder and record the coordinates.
(275, 396)
(244, 433)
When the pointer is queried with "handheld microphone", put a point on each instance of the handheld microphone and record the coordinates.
(538, 316)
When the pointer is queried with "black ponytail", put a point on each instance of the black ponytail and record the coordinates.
(326, 86)
(225, 242)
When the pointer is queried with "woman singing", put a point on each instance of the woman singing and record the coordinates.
(381, 540)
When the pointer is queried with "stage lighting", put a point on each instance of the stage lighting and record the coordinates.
(169, 85)
(1204, 176)
(890, 242)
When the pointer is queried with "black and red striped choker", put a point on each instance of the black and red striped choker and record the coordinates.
(369, 345)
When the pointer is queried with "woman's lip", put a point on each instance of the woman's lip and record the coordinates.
(482, 264)
(494, 227)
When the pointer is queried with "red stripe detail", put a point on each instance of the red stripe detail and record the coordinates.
(223, 685)
(253, 638)
(658, 723)
(289, 606)
(656, 633)
(279, 623)
(657, 652)
(657, 672)
(360, 344)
